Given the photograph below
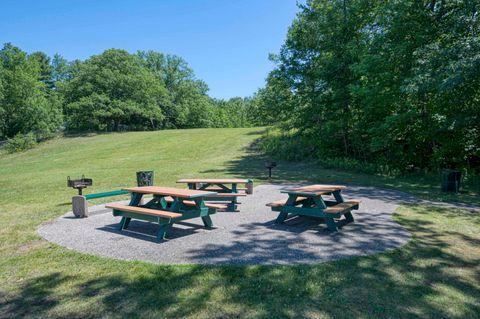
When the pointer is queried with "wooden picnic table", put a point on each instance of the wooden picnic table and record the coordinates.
(227, 189)
(168, 206)
(308, 201)
(220, 185)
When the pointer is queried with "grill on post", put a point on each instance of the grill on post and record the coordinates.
(79, 184)
(270, 165)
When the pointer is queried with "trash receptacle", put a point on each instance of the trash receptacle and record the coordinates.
(145, 178)
(249, 185)
(451, 180)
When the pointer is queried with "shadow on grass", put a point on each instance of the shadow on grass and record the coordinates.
(429, 278)
(92, 133)
(252, 165)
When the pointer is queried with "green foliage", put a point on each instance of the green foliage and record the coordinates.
(20, 142)
(394, 83)
(111, 91)
(289, 146)
(235, 112)
(27, 104)
(189, 105)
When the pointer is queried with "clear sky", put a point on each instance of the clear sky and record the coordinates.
(226, 42)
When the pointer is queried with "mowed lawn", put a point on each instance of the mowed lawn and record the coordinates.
(436, 275)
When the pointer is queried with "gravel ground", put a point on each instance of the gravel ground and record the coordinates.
(246, 237)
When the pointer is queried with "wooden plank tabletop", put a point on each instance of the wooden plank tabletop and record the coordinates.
(213, 180)
(317, 189)
(169, 191)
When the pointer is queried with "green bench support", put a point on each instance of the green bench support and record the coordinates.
(161, 212)
(80, 204)
(230, 201)
(106, 194)
(312, 204)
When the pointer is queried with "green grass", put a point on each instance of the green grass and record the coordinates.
(436, 275)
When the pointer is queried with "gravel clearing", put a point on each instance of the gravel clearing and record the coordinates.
(242, 238)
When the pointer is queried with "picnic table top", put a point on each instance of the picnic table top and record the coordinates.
(316, 189)
(169, 191)
(214, 180)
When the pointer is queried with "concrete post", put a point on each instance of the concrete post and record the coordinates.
(80, 206)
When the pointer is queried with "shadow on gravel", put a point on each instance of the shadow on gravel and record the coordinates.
(252, 244)
(148, 231)
(252, 165)
(430, 277)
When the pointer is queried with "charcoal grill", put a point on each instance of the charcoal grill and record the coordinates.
(79, 184)
(270, 165)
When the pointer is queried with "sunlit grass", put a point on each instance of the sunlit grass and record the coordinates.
(435, 275)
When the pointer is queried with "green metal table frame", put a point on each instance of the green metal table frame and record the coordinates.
(314, 206)
(232, 201)
(177, 206)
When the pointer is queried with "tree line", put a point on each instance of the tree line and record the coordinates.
(393, 83)
(112, 91)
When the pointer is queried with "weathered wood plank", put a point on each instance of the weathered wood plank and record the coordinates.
(145, 211)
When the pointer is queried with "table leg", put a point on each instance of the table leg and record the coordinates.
(207, 221)
(283, 214)
(127, 222)
(338, 196)
(281, 217)
(331, 224)
(165, 226)
(224, 189)
(348, 217)
(135, 200)
(122, 222)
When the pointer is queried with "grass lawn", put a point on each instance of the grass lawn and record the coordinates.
(437, 274)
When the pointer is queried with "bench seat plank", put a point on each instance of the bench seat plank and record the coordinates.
(316, 190)
(169, 200)
(227, 195)
(214, 180)
(342, 207)
(318, 187)
(145, 211)
(169, 191)
(282, 202)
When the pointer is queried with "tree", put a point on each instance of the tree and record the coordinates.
(189, 104)
(26, 103)
(390, 82)
(113, 91)
(61, 69)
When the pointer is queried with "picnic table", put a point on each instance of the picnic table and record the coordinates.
(168, 206)
(308, 201)
(227, 189)
(221, 185)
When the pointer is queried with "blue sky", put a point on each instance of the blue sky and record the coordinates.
(226, 42)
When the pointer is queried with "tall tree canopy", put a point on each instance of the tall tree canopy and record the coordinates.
(113, 90)
(391, 82)
(26, 102)
(190, 105)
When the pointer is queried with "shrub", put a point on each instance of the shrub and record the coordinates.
(349, 164)
(20, 142)
(287, 146)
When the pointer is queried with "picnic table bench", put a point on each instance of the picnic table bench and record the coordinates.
(226, 189)
(168, 206)
(308, 201)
